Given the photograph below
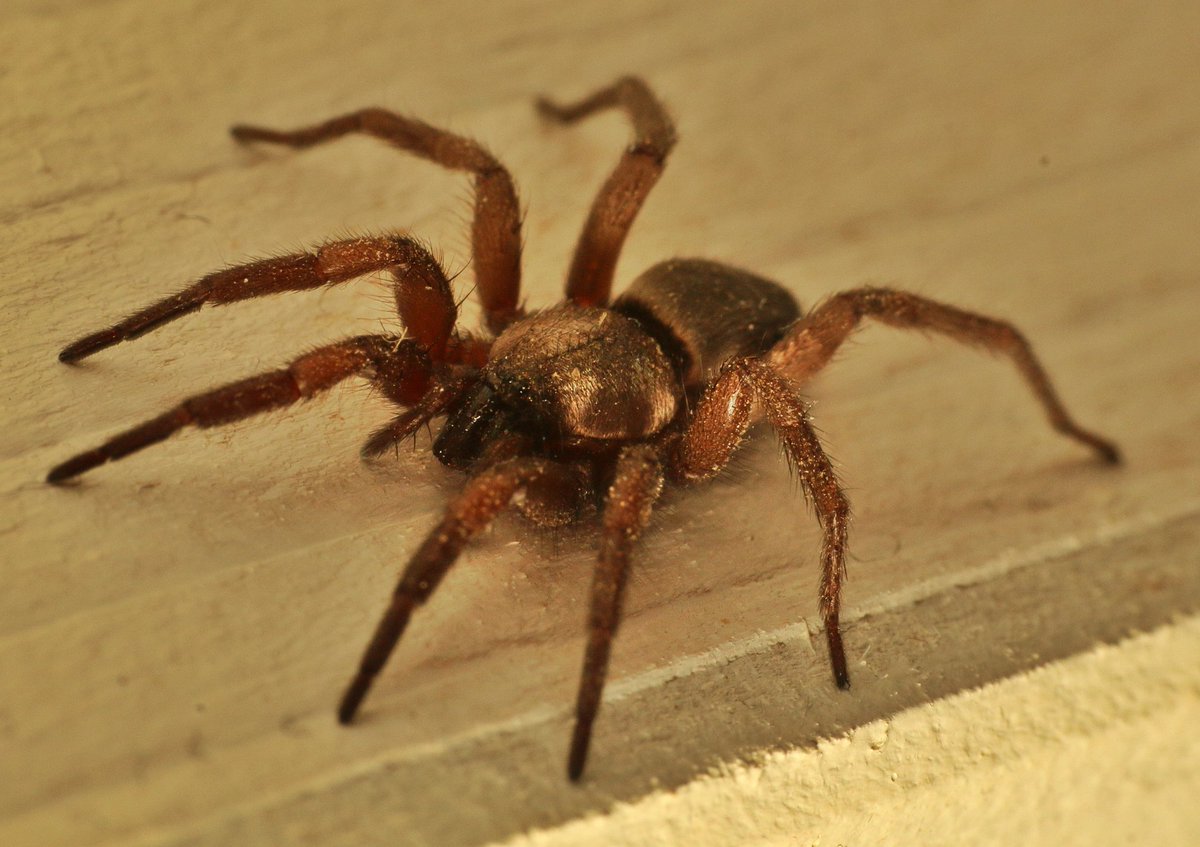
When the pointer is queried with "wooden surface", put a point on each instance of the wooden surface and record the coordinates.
(174, 632)
(1096, 748)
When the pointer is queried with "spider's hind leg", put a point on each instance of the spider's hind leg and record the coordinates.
(589, 281)
(496, 228)
(811, 342)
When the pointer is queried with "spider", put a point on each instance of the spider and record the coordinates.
(591, 403)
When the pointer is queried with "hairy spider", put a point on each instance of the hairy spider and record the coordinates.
(585, 401)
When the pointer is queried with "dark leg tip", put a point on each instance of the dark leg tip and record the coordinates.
(1108, 452)
(378, 444)
(80, 349)
(352, 699)
(837, 653)
(575, 767)
(580, 740)
(551, 111)
(246, 134)
(73, 467)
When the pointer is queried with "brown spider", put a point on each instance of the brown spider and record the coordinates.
(585, 401)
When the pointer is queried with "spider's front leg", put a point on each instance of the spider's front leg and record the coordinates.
(422, 290)
(472, 511)
(717, 427)
(636, 485)
(401, 369)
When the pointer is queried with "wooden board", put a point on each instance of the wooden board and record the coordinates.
(175, 631)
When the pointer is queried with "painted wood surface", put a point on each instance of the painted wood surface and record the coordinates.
(175, 631)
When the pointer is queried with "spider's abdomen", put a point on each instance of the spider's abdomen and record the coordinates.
(705, 313)
(590, 373)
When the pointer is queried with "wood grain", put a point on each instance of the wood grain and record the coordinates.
(174, 632)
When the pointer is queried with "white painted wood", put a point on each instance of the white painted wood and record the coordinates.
(175, 631)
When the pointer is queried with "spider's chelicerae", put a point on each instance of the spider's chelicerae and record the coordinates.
(589, 401)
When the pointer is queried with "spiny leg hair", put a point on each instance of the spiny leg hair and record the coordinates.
(423, 293)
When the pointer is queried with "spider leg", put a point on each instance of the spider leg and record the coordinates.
(472, 511)
(811, 342)
(423, 294)
(615, 207)
(636, 486)
(399, 368)
(720, 421)
(496, 229)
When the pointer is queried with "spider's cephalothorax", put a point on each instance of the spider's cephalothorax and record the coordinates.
(584, 402)
(571, 375)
